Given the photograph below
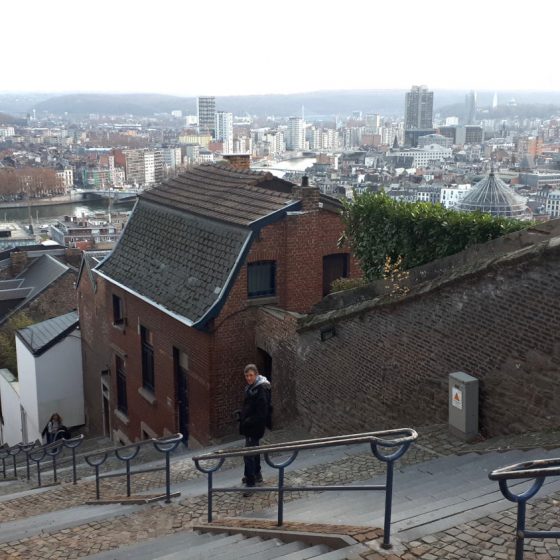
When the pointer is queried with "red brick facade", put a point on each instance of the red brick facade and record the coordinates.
(216, 356)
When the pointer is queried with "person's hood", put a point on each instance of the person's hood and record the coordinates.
(260, 380)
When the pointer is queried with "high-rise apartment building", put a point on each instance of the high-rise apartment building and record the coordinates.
(470, 108)
(419, 108)
(295, 139)
(206, 111)
(373, 123)
(224, 130)
(143, 167)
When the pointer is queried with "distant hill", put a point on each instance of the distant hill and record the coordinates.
(386, 102)
(140, 104)
(327, 103)
(21, 103)
(6, 119)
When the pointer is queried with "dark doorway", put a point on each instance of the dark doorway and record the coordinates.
(264, 363)
(181, 366)
(106, 410)
(334, 267)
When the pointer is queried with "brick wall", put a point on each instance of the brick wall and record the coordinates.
(96, 353)
(297, 244)
(58, 299)
(216, 357)
(388, 364)
(106, 341)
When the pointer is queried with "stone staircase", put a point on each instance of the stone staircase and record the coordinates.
(428, 497)
(197, 545)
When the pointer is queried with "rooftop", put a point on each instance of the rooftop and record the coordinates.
(187, 238)
(40, 337)
(493, 196)
(221, 192)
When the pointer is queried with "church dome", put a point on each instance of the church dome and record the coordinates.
(492, 196)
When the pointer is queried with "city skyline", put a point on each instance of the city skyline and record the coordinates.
(80, 48)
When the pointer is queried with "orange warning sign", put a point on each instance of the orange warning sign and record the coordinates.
(457, 398)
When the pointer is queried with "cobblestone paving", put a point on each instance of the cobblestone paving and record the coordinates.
(487, 538)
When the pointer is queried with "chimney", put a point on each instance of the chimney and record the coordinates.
(309, 195)
(18, 262)
(242, 162)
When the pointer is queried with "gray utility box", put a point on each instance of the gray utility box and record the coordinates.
(463, 405)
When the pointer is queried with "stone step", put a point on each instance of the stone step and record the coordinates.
(416, 489)
(444, 518)
(279, 551)
(306, 553)
(154, 548)
(344, 553)
(242, 548)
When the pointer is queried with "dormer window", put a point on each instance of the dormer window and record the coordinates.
(261, 279)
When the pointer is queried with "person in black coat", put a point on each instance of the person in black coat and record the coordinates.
(253, 419)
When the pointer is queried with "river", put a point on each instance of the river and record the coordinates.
(41, 214)
(280, 168)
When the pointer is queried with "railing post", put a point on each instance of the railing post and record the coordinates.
(97, 492)
(388, 507)
(4, 466)
(280, 496)
(74, 476)
(95, 461)
(128, 478)
(520, 533)
(167, 478)
(210, 497)
(15, 467)
(39, 473)
(54, 469)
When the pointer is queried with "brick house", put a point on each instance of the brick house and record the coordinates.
(171, 316)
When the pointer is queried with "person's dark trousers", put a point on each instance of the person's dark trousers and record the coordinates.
(252, 463)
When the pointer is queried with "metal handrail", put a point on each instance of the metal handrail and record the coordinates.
(537, 471)
(401, 438)
(39, 453)
(127, 453)
(5, 452)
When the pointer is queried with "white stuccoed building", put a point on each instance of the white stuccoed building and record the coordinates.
(50, 380)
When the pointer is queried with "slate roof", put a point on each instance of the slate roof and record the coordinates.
(179, 261)
(90, 259)
(40, 337)
(188, 237)
(37, 277)
(41, 273)
(221, 192)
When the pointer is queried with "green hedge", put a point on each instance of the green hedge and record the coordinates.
(378, 227)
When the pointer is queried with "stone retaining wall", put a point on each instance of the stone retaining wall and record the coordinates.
(388, 364)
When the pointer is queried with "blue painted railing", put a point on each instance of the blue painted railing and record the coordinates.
(127, 453)
(537, 472)
(37, 453)
(397, 440)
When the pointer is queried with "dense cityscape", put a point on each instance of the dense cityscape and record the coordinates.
(421, 156)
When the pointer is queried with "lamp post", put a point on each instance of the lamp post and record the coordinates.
(28, 189)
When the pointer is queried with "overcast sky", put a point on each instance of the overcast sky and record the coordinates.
(218, 47)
